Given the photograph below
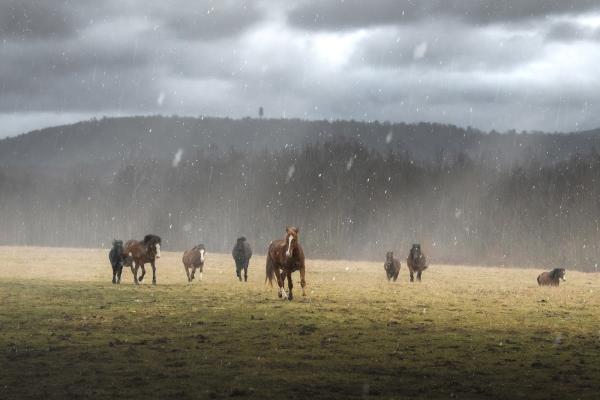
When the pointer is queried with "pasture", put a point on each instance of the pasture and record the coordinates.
(464, 332)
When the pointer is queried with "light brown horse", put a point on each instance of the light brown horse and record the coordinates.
(140, 252)
(284, 257)
(194, 259)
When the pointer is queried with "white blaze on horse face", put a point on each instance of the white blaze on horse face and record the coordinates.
(157, 246)
(202, 255)
(288, 252)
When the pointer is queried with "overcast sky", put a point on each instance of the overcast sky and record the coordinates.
(491, 64)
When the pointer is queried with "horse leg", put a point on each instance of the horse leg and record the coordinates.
(280, 281)
(187, 273)
(201, 267)
(238, 269)
(119, 272)
(419, 276)
(141, 277)
(290, 285)
(412, 278)
(245, 271)
(303, 280)
(153, 264)
(114, 279)
(134, 272)
(193, 275)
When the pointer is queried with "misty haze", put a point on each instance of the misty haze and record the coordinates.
(304, 199)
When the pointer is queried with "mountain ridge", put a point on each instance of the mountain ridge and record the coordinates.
(107, 141)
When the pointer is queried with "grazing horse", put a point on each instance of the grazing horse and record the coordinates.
(117, 258)
(194, 259)
(552, 278)
(140, 252)
(416, 262)
(391, 266)
(284, 257)
(241, 255)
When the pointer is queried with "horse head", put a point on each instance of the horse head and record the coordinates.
(291, 240)
(152, 243)
(415, 251)
(389, 257)
(202, 251)
(559, 273)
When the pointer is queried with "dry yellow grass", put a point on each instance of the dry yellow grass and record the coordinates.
(469, 332)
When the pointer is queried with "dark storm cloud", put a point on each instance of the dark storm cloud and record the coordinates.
(35, 19)
(349, 14)
(490, 64)
(216, 19)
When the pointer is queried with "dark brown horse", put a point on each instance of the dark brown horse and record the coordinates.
(391, 266)
(140, 252)
(552, 278)
(284, 257)
(194, 259)
(416, 262)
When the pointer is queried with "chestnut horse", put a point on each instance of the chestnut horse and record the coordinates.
(140, 252)
(194, 259)
(284, 257)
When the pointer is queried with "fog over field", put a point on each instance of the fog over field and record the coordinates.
(467, 126)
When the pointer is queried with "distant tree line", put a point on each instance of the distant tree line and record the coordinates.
(349, 201)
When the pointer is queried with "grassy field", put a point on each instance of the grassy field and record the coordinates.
(464, 332)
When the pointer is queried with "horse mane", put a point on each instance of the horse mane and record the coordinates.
(152, 238)
(117, 243)
(241, 239)
(554, 273)
(199, 247)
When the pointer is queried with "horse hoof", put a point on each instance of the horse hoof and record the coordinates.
(154, 283)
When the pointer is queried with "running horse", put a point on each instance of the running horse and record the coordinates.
(139, 253)
(284, 257)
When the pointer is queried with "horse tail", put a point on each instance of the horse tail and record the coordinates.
(270, 271)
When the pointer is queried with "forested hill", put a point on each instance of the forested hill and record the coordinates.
(109, 141)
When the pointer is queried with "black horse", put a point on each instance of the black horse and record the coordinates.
(391, 266)
(416, 262)
(241, 254)
(117, 259)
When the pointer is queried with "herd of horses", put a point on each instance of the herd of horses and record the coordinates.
(284, 257)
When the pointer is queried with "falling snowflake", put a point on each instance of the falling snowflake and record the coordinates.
(290, 174)
(177, 158)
